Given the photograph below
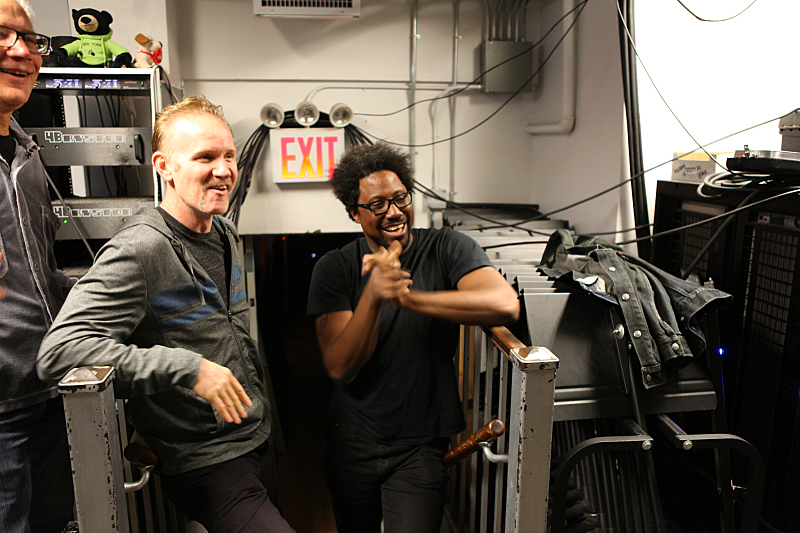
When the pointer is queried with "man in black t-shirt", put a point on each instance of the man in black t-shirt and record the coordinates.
(387, 310)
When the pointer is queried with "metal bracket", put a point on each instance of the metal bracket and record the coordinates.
(490, 455)
(133, 486)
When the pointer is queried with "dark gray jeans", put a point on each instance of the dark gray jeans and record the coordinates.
(402, 485)
(235, 496)
(35, 474)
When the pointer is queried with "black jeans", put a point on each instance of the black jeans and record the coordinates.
(235, 496)
(402, 485)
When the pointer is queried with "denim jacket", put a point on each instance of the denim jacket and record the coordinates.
(662, 312)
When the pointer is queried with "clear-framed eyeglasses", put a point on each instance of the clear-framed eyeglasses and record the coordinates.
(380, 207)
(35, 42)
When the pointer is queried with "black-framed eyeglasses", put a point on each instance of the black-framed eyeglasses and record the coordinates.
(380, 207)
(36, 42)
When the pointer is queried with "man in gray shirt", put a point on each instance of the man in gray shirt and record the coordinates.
(165, 304)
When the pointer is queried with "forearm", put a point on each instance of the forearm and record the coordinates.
(350, 350)
(143, 370)
(96, 324)
(480, 307)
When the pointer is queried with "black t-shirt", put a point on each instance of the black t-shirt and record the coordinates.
(208, 249)
(7, 148)
(407, 392)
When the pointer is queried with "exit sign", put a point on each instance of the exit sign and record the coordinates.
(304, 155)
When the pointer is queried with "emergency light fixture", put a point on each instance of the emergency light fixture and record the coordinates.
(306, 114)
(341, 115)
(272, 115)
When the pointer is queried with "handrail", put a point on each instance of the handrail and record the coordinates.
(140, 455)
(518, 390)
(490, 431)
(503, 339)
(144, 459)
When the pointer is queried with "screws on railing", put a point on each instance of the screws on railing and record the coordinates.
(687, 445)
(647, 444)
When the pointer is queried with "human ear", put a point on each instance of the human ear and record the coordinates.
(160, 164)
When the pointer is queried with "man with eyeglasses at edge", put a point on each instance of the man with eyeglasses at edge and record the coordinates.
(387, 310)
(35, 475)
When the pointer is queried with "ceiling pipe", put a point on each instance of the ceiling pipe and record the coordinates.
(569, 76)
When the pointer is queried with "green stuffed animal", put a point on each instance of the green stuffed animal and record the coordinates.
(94, 47)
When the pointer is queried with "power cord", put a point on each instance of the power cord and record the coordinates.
(484, 73)
(508, 100)
(717, 20)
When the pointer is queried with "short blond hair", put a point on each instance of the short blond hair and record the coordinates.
(26, 7)
(190, 106)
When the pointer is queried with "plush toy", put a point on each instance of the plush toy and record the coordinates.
(94, 47)
(149, 53)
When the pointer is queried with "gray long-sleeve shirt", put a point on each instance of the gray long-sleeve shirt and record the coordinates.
(148, 308)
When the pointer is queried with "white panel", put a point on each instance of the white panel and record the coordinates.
(307, 8)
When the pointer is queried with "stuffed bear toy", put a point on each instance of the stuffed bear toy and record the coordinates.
(149, 53)
(94, 47)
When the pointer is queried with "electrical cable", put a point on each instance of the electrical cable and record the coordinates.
(715, 237)
(630, 86)
(510, 98)
(482, 74)
(517, 243)
(614, 187)
(633, 45)
(622, 230)
(543, 216)
(717, 217)
(165, 80)
(69, 214)
(717, 20)
(432, 194)
(246, 164)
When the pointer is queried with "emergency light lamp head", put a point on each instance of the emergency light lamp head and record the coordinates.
(272, 115)
(341, 115)
(306, 114)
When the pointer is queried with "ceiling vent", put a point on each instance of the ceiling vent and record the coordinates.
(307, 8)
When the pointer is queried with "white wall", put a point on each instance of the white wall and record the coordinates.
(566, 169)
(718, 78)
(51, 17)
(283, 60)
(220, 49)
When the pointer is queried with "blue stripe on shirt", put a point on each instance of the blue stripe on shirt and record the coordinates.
(182, 296)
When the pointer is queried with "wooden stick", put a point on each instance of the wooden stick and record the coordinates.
(490, 431)
(140, 455)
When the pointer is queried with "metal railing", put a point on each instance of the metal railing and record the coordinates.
(96, 428)
(500, 378)
(507, 388)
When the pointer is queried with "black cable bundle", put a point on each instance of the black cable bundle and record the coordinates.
(255, 144)
(246, 164)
